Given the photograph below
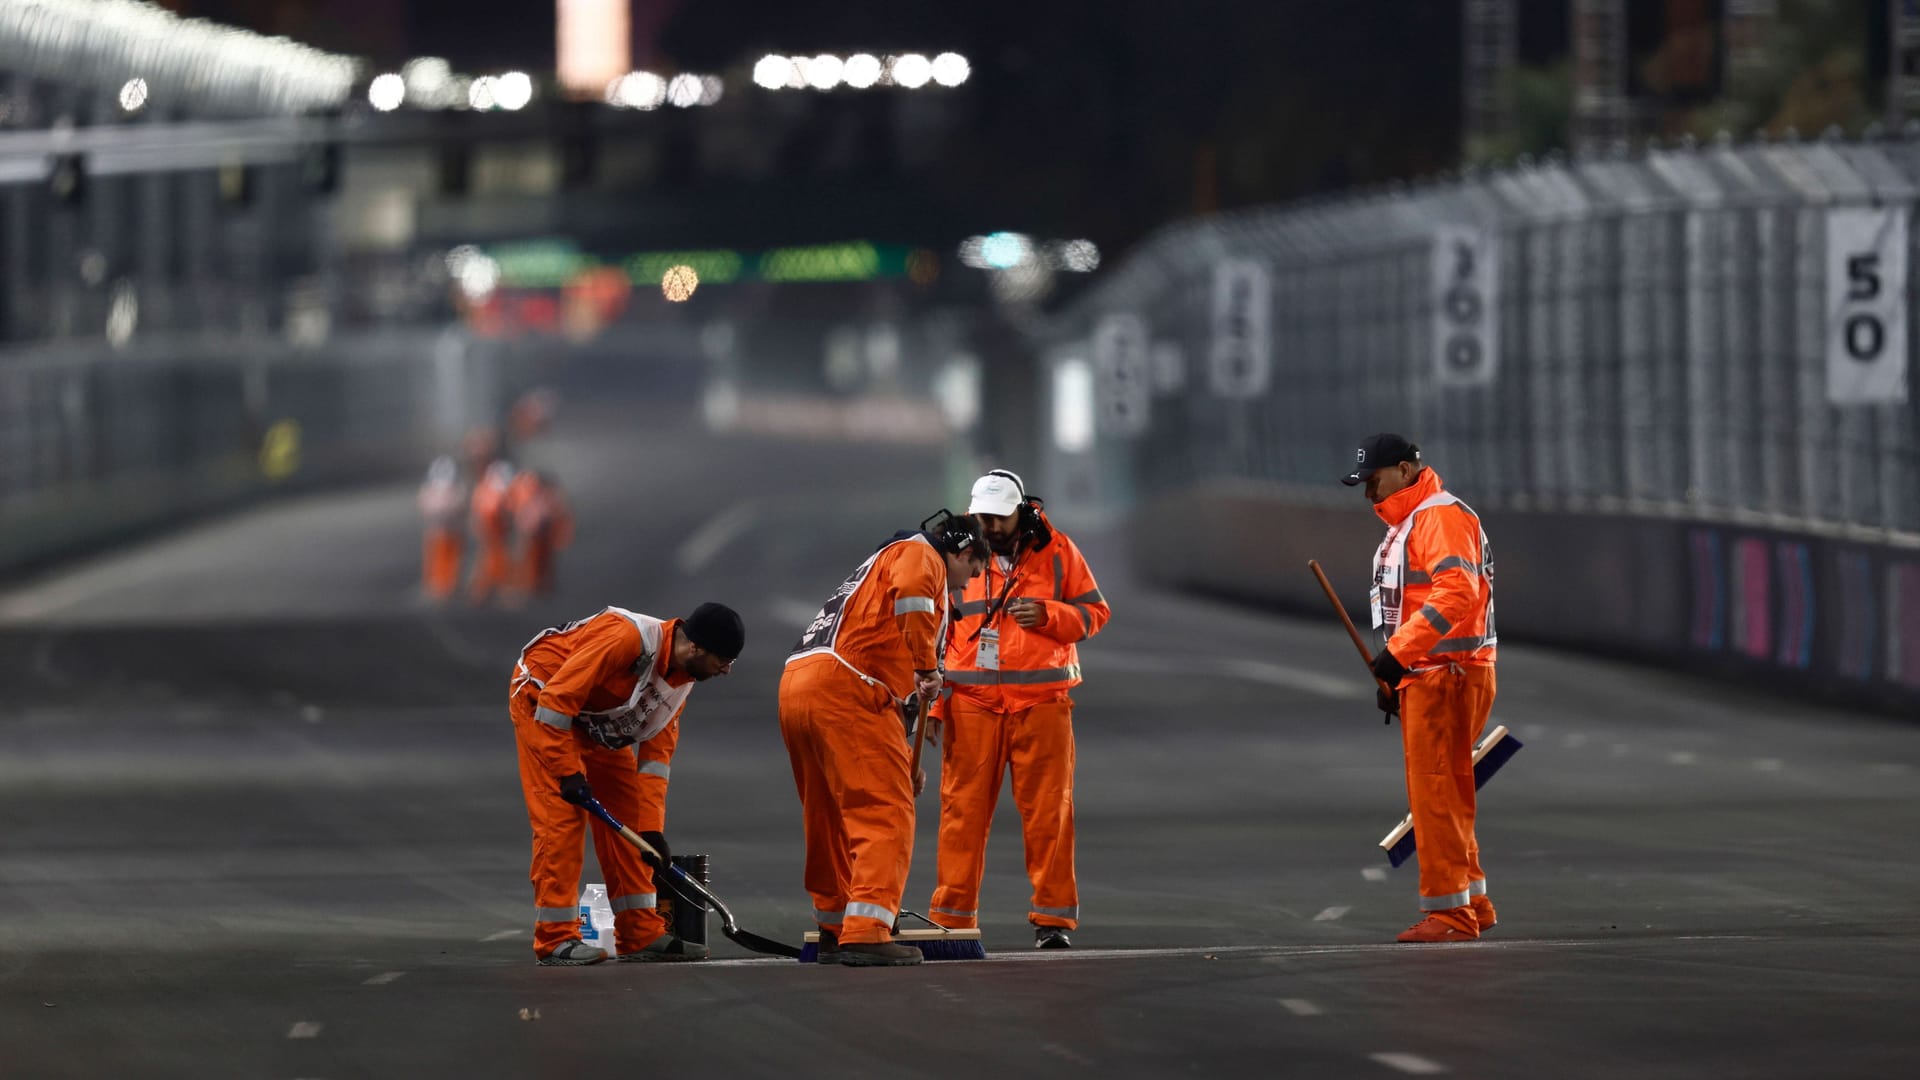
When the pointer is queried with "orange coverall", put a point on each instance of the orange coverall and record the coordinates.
(1434, 579)
(443, 502)
(544, 525)
(493, 527)
(583, 698)
(840, 717)
(1015, 716)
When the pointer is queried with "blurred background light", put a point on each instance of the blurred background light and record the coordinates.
(133, 95)
(1005, 250)
(824, 71)
(678, 283)
(1073, 406)
(772, 72)
(480, 94)
(861, 70)
(912, 70)
(513, 90)
(429, 82)
(684, 91)
(386, 92)
(950, 69)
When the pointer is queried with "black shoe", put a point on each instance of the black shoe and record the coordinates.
(878, 954)
(1050, 937)
(829, 950)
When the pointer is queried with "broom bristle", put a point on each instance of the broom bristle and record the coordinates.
(933, 944)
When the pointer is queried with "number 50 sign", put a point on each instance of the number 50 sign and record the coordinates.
(1866, 306)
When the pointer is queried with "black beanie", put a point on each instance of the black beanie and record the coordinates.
(716, 628)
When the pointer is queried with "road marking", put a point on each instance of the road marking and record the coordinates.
(1271, 954)
(1682, 757)
(1769, 764)
(1575, 740)
(1374, 873)
(383, 978)
(1532, 731)
(305, 1029)
(1300, 1006)
(1060, 1051)
(1409, 1063)
(501, 936)
(1330, 914)
(706, 542)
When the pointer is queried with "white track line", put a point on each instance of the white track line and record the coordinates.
(501, 936)
(1409, 1063)
(305, 1029)
(1375, 873)
(383, 978)
(1682, 757)
(1332, 913)
(1267, 953)
(1300, 1006)
(711, 538)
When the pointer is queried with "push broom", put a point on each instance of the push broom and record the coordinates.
(938, 943)
(689, 887)
(1494, 750)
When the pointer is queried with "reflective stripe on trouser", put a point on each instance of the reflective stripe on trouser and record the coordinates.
(1442, 713)
(856, 799)
(559, 841)
(979, 747)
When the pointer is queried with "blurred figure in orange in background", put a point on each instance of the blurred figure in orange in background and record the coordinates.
(443, 502)
(492, 517)
(531, 413)
(543, 524)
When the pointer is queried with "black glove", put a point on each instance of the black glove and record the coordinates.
(1388, 700)
(658, 842)
(1387, 669)
(574, 789)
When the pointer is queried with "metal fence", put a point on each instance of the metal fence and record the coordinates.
(1715, 332)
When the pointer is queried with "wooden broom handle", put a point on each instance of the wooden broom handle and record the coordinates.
(1352, 630)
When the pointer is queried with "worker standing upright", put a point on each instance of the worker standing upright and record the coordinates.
(1432, 601)
(1012, 667)
(491, 515)
(443, 507)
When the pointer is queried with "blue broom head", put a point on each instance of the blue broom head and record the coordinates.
(933, 945)
(1497, 755)
(958, 945)
(1401, 851)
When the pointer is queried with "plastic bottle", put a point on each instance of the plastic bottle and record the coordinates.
(596, 918)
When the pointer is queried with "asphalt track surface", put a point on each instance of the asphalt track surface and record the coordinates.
(261, 819)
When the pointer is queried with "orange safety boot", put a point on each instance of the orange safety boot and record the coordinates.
(1433, 929)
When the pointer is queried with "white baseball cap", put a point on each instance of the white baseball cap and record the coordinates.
(998, 493)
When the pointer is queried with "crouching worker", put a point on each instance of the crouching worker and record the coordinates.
(876, 641)
(596, 711)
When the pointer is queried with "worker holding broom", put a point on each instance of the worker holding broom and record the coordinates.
(1432, 600)
(596, 708)
(876, 642)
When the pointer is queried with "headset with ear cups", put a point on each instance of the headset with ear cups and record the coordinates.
(1032, 525)
(950, 532)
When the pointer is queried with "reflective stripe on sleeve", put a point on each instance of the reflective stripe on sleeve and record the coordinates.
(908, 604)
(1432, 615)
(1452, 561)
(655, 768)
(553, 718)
